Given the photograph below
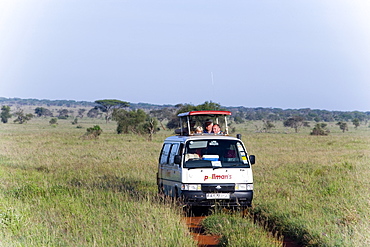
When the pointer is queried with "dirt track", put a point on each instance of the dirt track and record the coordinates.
(195, 228)
(193, 221)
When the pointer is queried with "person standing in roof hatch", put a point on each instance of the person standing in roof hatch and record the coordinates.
(199, 130)
(208, 126)
(216, 129)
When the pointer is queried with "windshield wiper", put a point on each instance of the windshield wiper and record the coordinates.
(217, 167)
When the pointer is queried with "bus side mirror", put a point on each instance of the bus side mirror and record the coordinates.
(177, 159)
(252, 159)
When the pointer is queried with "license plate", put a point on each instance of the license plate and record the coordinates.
(218, 196)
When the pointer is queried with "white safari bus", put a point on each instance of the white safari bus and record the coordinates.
(205, 169)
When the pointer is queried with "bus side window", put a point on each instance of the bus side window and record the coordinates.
(174, 151)
(181, 149)
(165, 153)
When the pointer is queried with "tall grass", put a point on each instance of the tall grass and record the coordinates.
(236, 230)
(60, 190)
(315, 188)
(57, 189)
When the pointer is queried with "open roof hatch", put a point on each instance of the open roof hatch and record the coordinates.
(188, 118)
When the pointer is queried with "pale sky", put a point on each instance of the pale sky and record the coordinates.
(253, 53)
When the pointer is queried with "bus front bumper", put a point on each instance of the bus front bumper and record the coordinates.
(199, 198)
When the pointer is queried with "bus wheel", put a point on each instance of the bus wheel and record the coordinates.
(179, 200)
(160, 189)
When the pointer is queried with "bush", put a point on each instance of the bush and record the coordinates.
(54, 120)
(75, 121)
(343, 126)
(21, 117)
(320, 130)
(93, 132)
(5, 113)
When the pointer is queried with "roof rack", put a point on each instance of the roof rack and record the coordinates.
(188, 118)
(204, 113)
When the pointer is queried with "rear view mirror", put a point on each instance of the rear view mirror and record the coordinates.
(252, 159)
(177, 159)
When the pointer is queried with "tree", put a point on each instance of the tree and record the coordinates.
(173, 123)
(294, 122)
(239, 117)
(320, 130)
(343, 126)
(41, 111)
(267, 125)
(356, 122)
(75, 121)
(5, 113)
(53, 121)
(63, 114)
(81, 112)
(136, 121)
(211, 106)
(129, 121)
(92, 132)
(107, 106)
(93, 113)
(151, 127)
(317, 119)
(162, 114)
(21, 117)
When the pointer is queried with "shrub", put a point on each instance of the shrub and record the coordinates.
(343, 126)
(93, 132)
(75, 121)
(5, 113)
(267, 125)
(54, 120)
(320, 130)
(21, 117)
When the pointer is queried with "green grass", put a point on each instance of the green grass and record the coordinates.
(315, 188)
(60, 190)
(57, 189)
(235, 230)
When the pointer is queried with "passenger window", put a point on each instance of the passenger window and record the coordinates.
(165, 153)
(174, 151)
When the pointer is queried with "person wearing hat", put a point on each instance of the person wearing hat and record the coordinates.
(208, 126)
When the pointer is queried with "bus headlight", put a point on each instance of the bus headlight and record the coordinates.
(239, 187)
(191, 187)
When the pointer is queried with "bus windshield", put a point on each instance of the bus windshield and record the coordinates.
(215, 154)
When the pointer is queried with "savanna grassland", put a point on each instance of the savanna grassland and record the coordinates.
(316, 188)
(58, 189)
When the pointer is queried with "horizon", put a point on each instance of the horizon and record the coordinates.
(313, 109)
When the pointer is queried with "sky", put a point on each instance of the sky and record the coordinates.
(279, 54)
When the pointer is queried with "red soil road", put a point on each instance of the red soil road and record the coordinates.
(204, 240)
(196, 230)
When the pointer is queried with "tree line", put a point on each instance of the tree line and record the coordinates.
(145, 118)
(46, 102)
(239, 114)
(277, 114)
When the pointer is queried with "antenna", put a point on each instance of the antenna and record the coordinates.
(213, 86)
